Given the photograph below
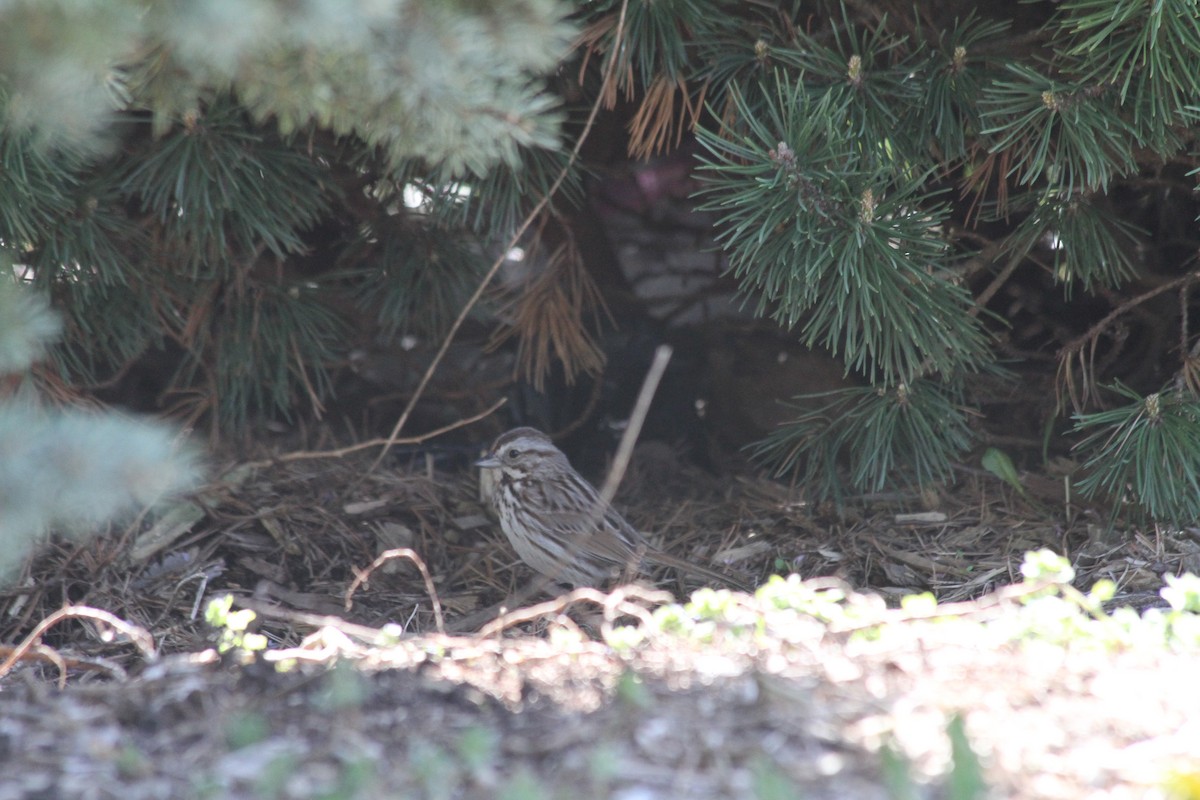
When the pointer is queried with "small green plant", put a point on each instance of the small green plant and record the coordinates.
(1046, 565)
(343, 688)
(632, 692)
(523, 785)
(233, 626)
(966, 773)
(1182, 592)
(999, 464)
(435, 771)
(478, 750)
(1047, 607)
(355, 778)
(272, 780)
(965, 780)
(245, 729)
(897, 773)
(771, 782)
(132, 762)
(625, 637)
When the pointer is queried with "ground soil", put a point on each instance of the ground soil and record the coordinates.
(540, 706)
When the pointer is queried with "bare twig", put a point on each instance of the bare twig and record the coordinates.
(636, 418)
(615, 603)
(1090, 338)
(1001, 278)
(140, 637)
(362, 576)
(301, 455)
(268, 610)
(1091, 333)
(489, 614)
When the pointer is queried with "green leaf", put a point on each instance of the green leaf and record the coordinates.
(999, 464)
(216, 613)
(1046, 565)
(966, 772)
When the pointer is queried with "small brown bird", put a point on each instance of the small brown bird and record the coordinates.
(557, 521)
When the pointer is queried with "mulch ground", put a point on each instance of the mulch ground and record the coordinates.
(542, 708)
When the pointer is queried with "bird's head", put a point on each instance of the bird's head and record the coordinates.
(523, 452)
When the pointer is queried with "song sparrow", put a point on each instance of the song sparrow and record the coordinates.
(557, 521)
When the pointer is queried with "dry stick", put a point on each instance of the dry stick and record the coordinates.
(625, 449)
(1093, 332)
(516, 237)
(658, 366)
(1001, 278)
(633, 428)
(139, 636)
(314, 396)
(411, 555)
(342, 451)
(269, 610)
(614, 604)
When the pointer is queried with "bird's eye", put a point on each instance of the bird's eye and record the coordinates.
(513, 452)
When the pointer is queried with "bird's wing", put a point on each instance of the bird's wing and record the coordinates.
(605, 535)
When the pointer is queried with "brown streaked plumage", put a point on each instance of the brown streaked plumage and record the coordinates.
(556, 520)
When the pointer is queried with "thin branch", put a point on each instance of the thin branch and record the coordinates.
(634, 427)
(140, 637)
(986, 255)
(301, 455)
(1091, 333)
(362, 576)
(614, 603)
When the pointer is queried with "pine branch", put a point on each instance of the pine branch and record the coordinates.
(909, 435)
(69, 470)
(839, 239)
(1146, 452)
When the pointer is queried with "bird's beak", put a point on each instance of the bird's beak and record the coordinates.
(488, 462)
